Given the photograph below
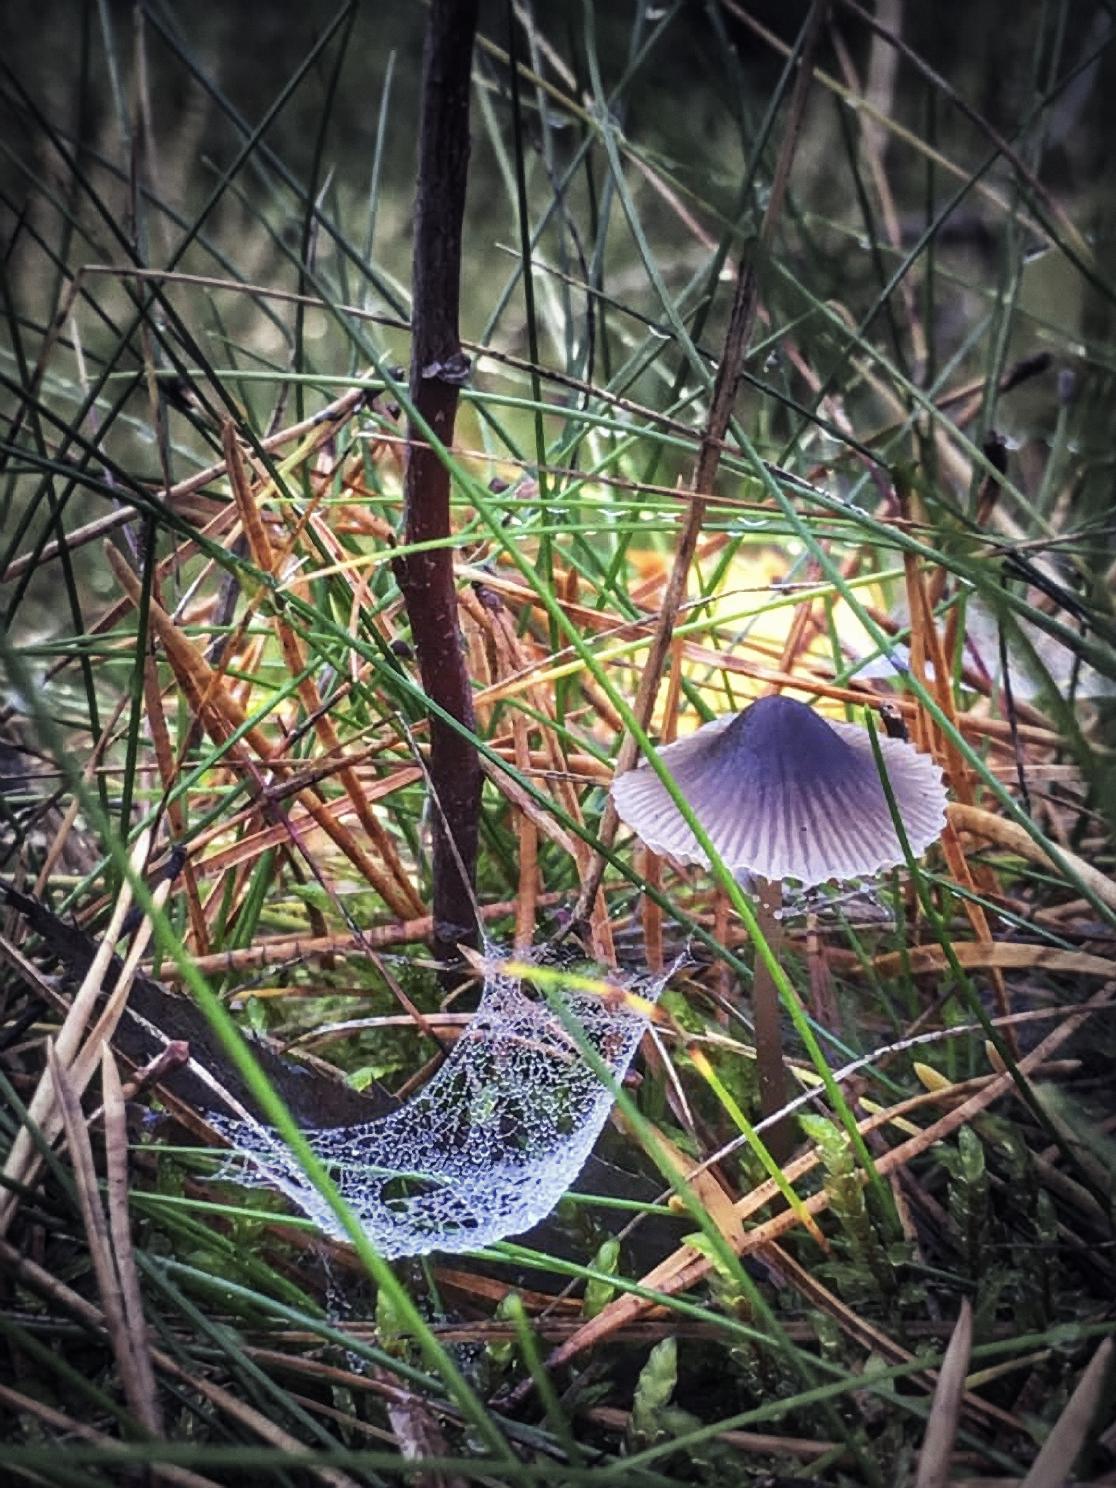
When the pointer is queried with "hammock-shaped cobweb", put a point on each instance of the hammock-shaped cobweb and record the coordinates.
(489, 1145)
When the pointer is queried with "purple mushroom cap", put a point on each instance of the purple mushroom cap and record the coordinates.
(784, 793)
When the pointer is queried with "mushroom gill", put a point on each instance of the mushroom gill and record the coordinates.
(785, 794)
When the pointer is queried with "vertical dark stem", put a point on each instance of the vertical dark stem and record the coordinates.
(767, 1015)
(438, 368)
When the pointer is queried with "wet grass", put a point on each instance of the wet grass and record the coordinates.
(213, 710)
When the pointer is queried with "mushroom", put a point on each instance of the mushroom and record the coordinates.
(783, 793)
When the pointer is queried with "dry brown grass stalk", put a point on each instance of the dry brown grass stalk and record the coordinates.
(683, 1270)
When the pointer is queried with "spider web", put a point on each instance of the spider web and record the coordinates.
(489, 1145)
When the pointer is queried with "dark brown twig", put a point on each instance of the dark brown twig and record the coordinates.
(438, 368)
(737, 340)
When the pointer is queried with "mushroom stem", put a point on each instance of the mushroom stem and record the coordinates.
(767, 1021)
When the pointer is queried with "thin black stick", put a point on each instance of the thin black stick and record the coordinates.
(726, 384)
(438, 368)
